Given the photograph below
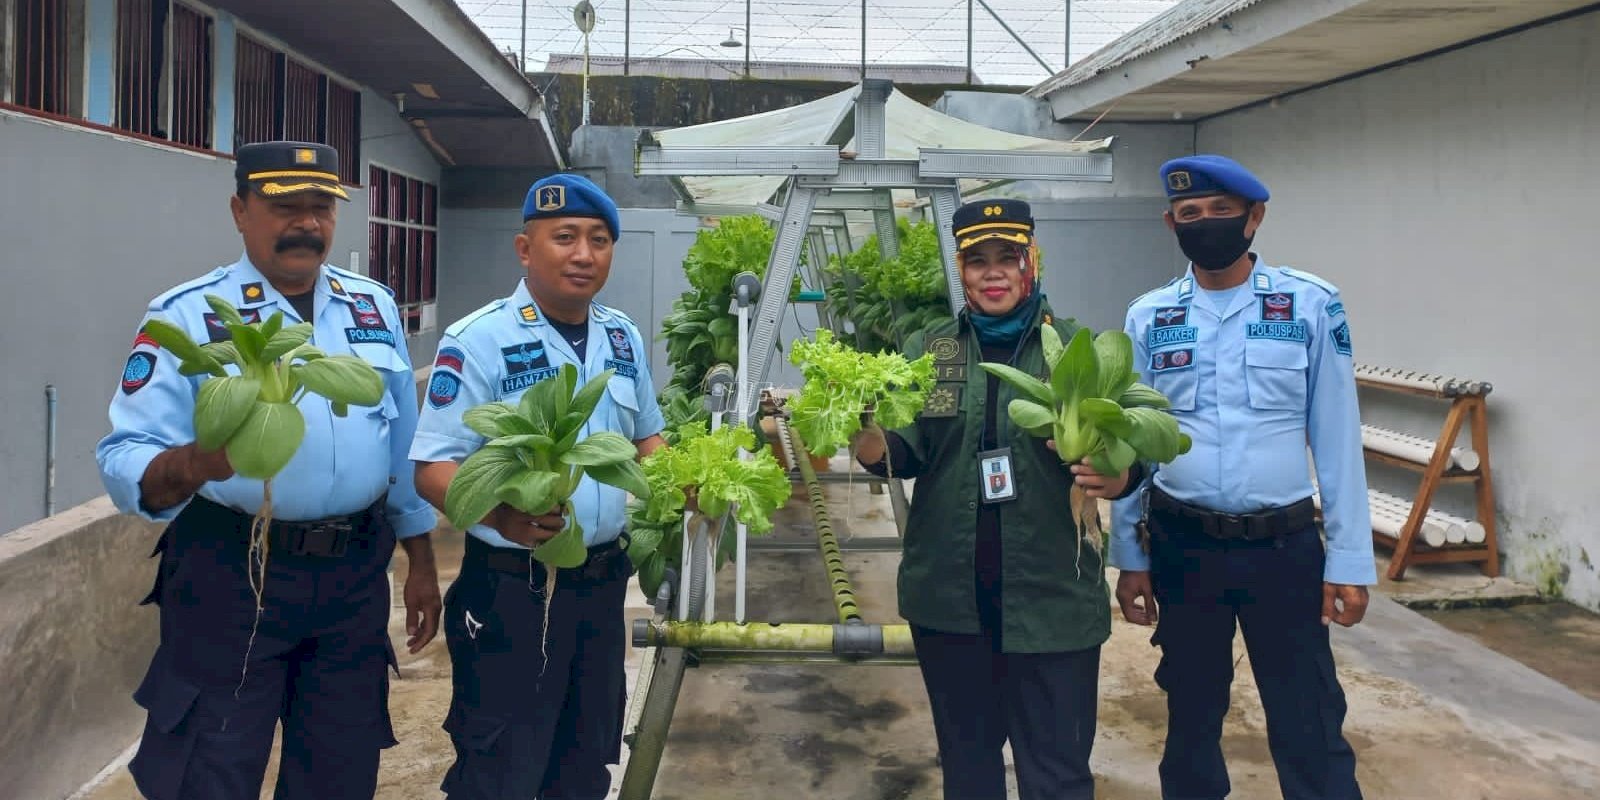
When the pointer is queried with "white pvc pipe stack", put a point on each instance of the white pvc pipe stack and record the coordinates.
(1415, 448)
(1421, 380)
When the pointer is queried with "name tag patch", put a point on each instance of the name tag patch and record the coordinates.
(628, 371)
(369, 336)
(526, 364)
(1166, 337)
(1169, 360)
(1282, 331)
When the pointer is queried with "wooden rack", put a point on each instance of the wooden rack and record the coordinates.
(1443, 465)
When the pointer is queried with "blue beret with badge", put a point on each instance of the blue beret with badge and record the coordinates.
(1205, 175)
(280, 169)
(567, 195)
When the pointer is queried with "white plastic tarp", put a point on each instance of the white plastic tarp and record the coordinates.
(910, 127)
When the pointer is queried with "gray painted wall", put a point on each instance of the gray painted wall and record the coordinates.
(1452, 202)
(94, 226)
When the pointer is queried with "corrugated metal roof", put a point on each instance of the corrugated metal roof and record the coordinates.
(1184, 19)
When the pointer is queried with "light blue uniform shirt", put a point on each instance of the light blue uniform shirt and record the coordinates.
(344, 464)
(495, 353)
(1254, 383)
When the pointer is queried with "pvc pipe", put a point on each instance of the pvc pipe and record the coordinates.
(50, 450)
(1415, 448)
(742, 414)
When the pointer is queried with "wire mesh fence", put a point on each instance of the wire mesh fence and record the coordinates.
(1014, 42)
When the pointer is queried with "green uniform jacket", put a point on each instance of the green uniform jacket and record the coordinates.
(1054, 594)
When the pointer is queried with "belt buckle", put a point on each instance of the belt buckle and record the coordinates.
(1232, 526)
(332, 539)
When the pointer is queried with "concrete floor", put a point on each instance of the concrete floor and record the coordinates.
(1433, 713)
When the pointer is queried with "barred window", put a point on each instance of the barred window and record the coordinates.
(403, 237)
(46, 56)
(280, 97)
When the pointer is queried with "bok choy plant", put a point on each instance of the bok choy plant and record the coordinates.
(1093, 407)
(534, 461)
(252, 413)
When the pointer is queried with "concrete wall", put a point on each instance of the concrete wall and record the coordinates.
(74, 644)
(1452, 202)
(94, 225)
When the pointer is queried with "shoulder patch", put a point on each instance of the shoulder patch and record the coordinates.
(460, 326)
(165, 299)
(1309, 278)
(355, 281)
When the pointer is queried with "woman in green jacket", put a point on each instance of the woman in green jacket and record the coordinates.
(1008, 608)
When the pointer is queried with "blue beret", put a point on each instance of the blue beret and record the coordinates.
(566, 195)
(1198, 176)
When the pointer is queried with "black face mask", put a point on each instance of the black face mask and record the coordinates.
(1214, 244)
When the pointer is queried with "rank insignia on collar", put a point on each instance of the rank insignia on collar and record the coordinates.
(336, 286)
(529, 313)
(252, 292)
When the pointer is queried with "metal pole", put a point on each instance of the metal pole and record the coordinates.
(522, 66)
(627, 32)
(863, 39)
(1066, 52)
(969, 42)
(50, 450)
(747, 37)
(1016, 38)
(586, 79)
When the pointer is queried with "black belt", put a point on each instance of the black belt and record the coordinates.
(1265, 524)
(329, 537)
(515, 560)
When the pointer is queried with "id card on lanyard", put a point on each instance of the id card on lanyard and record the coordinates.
(994, 473)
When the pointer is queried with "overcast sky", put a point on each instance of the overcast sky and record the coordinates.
(898, 31)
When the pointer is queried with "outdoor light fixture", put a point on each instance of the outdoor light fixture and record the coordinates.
(732, 41)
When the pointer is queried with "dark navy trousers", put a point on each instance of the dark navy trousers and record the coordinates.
(318, 664)
(1272, 589)
(529, 724)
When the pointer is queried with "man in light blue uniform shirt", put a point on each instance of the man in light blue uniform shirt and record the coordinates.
(534, 715)
(1257, 363)
(319, 656)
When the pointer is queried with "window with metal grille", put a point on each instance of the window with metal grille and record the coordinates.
(257, 83)
(403, 239)
(141, 40)
(46, 58)
(344, 130)
(280, 97)
(163, 57)
(190, 101)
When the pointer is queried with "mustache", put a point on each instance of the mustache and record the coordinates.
(308, 241)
